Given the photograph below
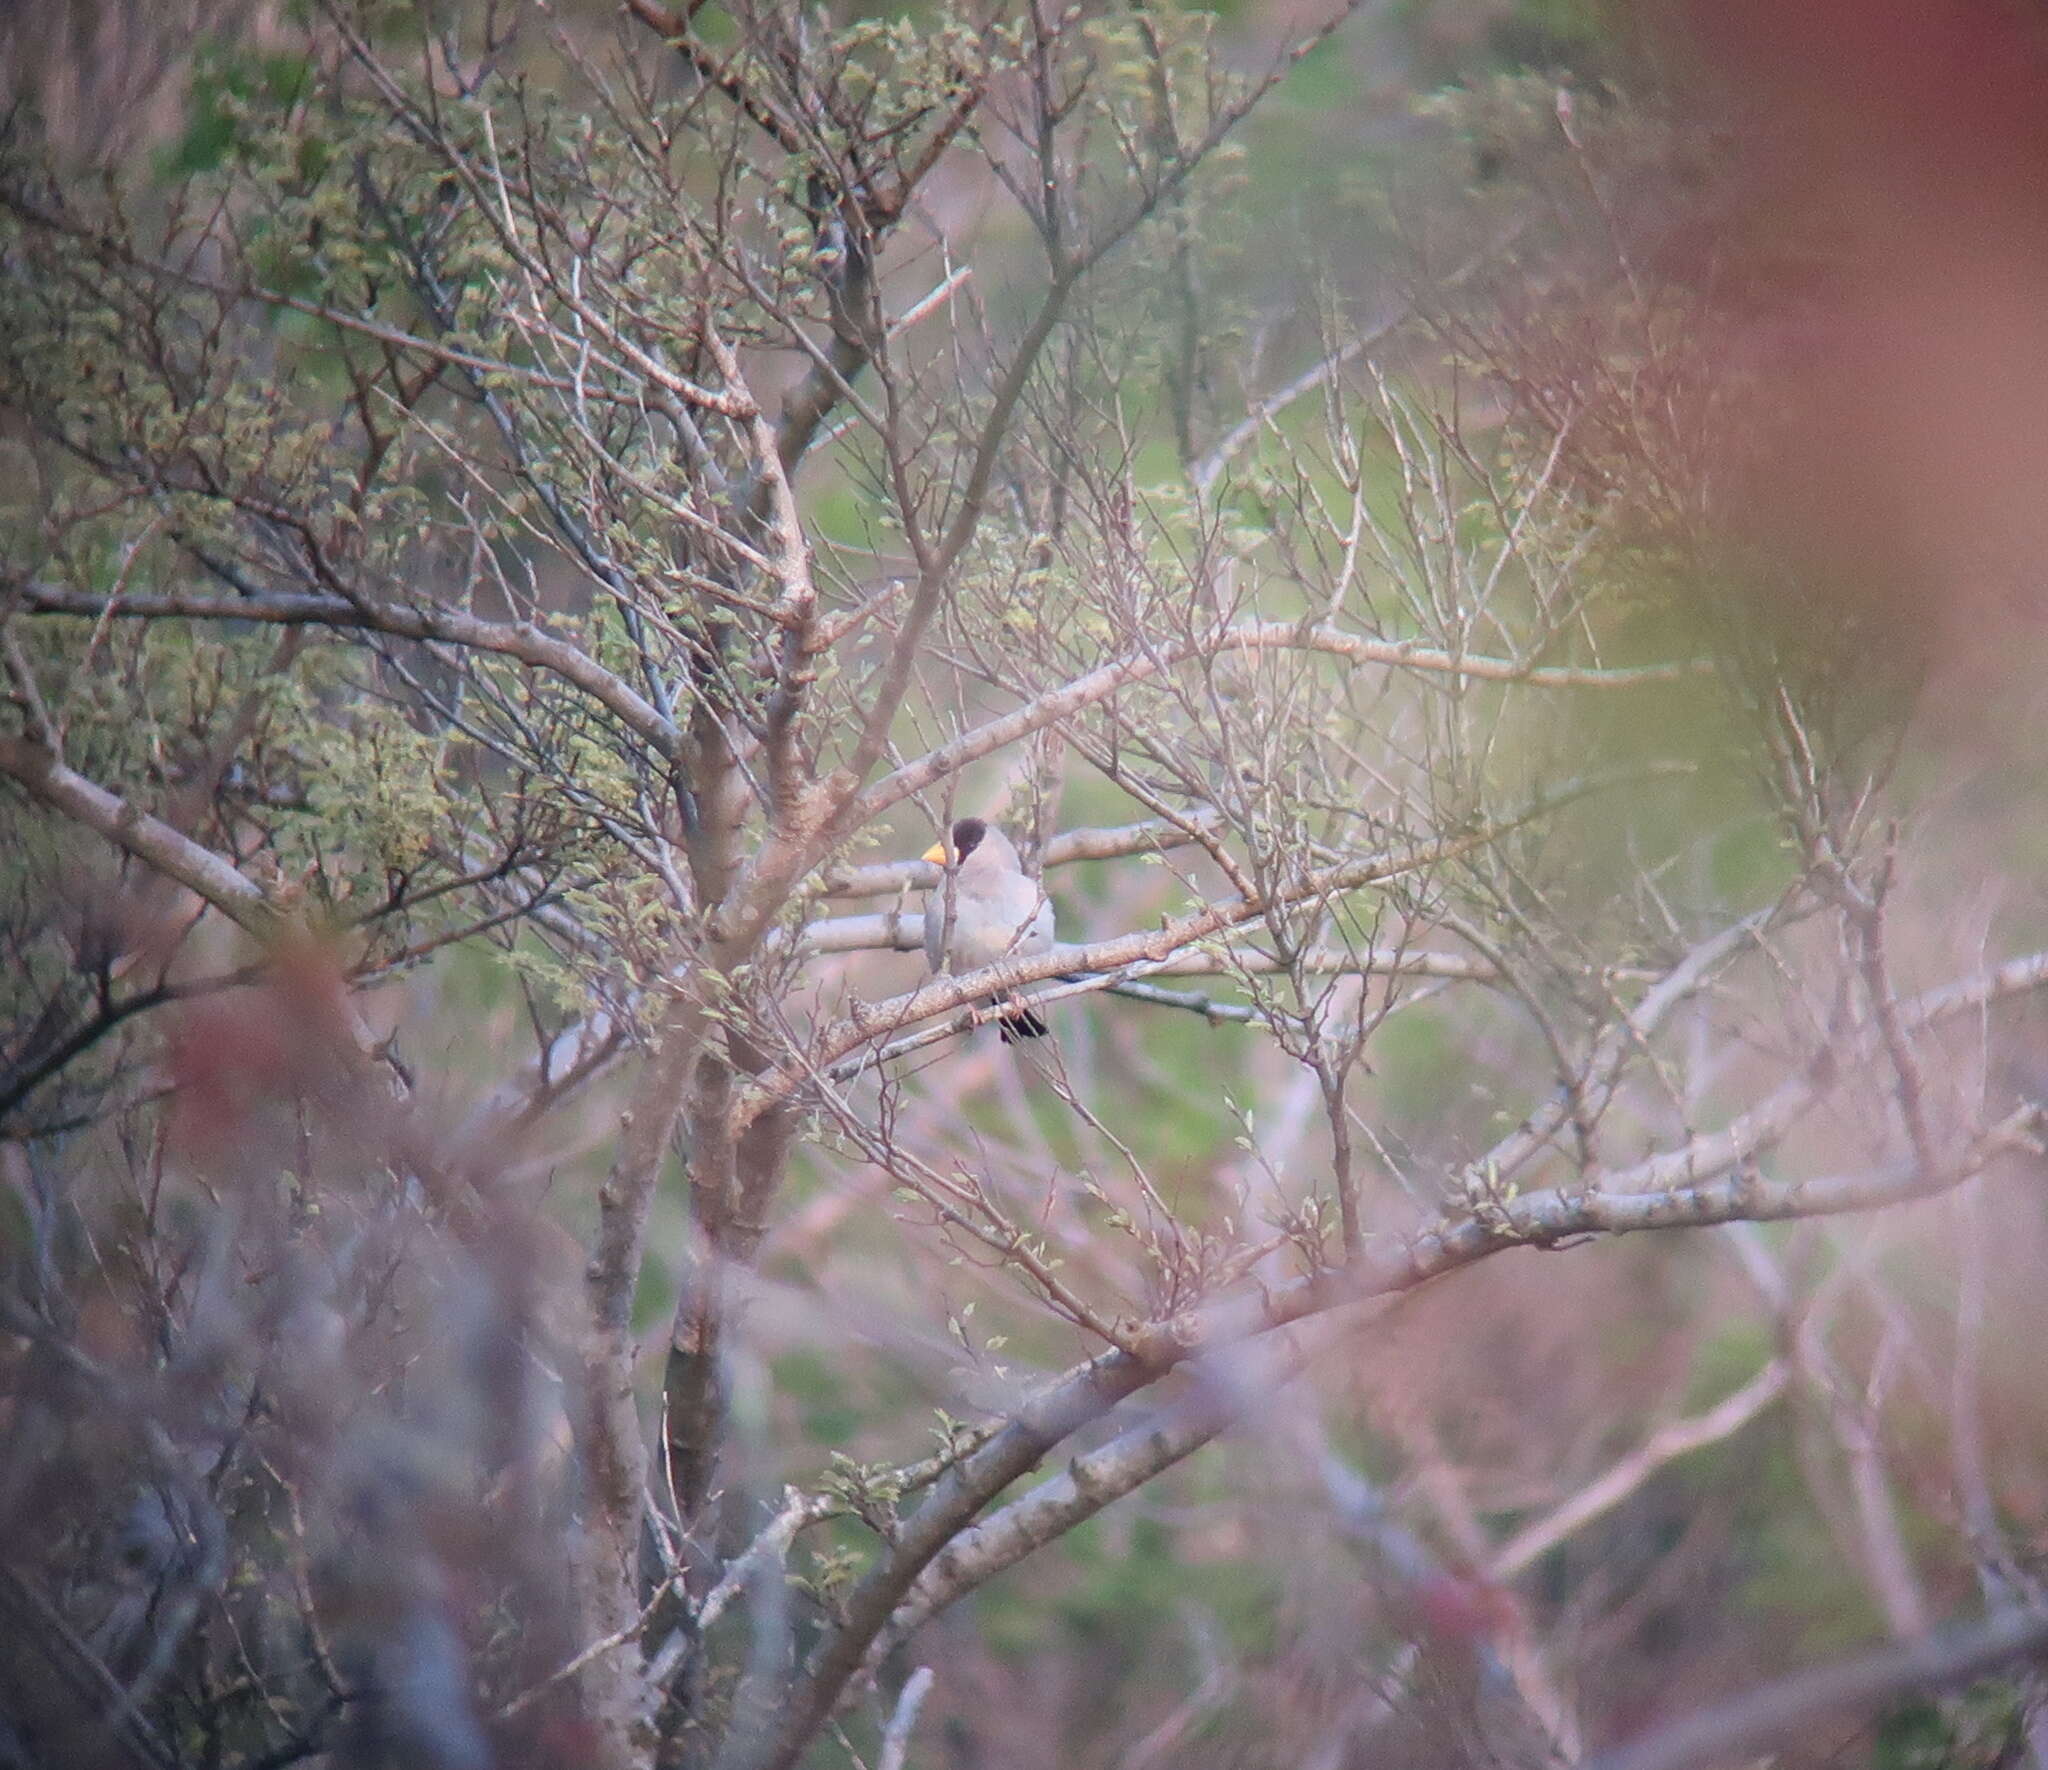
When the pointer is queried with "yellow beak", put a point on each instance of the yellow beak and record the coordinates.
(936, 854)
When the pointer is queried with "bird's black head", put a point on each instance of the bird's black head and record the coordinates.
(967, 835)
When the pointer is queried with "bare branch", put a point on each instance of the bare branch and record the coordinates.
(149, 839)
(1103, 957)
(1667, 1444)
(1154, 836)
(1760, 1719)
(896, 1738)
(521, 641)
(1054, 706)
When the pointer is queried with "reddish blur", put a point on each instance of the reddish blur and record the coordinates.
(1892, 166)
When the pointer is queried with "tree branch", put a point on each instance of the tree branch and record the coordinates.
(1010, 975)
(1536, 1219)
(1152, 836)
(1747, 1725)
(520, 641)
(1666, 1445)
(1054, 705)
(148, 839)
(1085, 1486)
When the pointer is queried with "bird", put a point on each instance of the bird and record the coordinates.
(996, 911)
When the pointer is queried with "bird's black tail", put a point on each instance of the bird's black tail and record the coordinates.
(1023, 1024)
